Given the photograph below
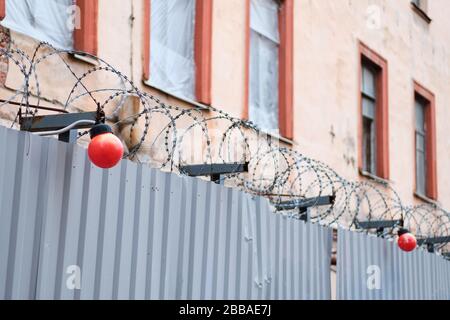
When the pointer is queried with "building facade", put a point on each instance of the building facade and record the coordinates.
(360, 85)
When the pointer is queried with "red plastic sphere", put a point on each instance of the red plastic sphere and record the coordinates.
(105, 150)
(407, 242)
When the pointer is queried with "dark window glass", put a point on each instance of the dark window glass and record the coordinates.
(421, 156)
(369, 101)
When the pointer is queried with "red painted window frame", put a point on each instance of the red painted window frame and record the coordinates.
(431, 160)
(86, 37)
(286, 68)
(382, 111)
(202, 44)
(2, 9)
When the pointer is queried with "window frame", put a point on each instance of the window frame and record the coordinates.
(431, 187)
(285, 68)
(86, 37)
(367, 55)
(202, 45)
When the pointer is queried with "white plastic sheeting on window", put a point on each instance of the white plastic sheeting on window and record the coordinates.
(264, 46)
(45, 20)
(172, 63)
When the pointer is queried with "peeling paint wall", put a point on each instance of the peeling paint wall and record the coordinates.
(326, 65)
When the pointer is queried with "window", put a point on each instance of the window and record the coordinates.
(425, 143)
(172, 40)
(264, 58)
(369, 101)
(270, 65)
(53, 21)
(374, 143)
(43, 20)
(177, 57)
(420, 146)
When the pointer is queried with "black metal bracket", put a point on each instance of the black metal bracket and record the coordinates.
(431, 242)
(214, 170)
(304, 204)
(379, 225)
(56, 122)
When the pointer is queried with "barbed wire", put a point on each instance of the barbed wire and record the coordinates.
(170, 137)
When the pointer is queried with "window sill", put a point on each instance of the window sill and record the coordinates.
(426, 199)
(373, 177)
(87, 59)
(196, 104)
(278, 137)
(421, 12)
(285, 140)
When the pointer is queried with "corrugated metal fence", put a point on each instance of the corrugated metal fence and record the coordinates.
(138, 233)
(363, 259)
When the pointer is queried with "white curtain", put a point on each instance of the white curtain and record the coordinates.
(264, 45)
(44, 20)
(172, 64)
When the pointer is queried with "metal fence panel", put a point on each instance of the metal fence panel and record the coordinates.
(403, 276)
(138, 233)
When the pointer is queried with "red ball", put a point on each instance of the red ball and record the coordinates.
(105, 150)
(407, 242)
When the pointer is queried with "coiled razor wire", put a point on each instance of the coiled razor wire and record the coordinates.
(168, 137)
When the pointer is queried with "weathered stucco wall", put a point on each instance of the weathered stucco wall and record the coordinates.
(326, 81)
(326, 66)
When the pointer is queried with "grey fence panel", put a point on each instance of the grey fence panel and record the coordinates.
(403, 276)
(137, 233)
